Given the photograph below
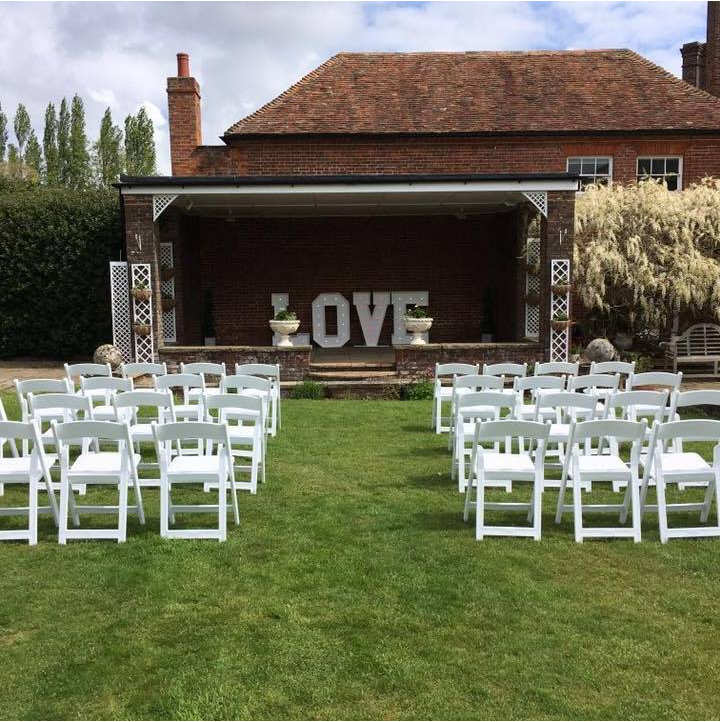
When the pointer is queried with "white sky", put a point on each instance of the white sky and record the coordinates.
(245, 53)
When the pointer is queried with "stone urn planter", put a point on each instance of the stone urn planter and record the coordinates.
(284, 329)
(416, 327)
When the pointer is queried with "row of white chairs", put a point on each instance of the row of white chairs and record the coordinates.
(490, 465)
(610, 376)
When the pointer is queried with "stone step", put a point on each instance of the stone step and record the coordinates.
(352, 366)
(351, 374)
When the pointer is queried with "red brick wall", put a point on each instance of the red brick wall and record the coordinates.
(245, 261)
(329, 156)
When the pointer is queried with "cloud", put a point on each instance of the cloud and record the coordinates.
(243, 54)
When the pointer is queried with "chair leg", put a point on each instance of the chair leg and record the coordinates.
(634, 483)
(662, 507)
(561, 498)
(707, 502)
(123, 509)
(468, 496)
(480, 507)
(222, 507)
(33, 511)
(164, 504)
(537, 507)
(64, 491)
(577, 510)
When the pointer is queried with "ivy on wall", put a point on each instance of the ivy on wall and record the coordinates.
(55, 248)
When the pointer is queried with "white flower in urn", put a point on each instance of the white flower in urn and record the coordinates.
(417, 322)
(284, 324)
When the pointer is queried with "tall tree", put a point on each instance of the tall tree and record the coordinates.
(139, 144)
(22, 128)
(107, 152)
(14, 161)
(33, 156)
(50, 146)
(79, 168)
(3, 135)
(63, 142)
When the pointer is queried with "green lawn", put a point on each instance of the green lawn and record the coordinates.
(352, 589)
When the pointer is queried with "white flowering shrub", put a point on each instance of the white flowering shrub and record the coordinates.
(642, 252)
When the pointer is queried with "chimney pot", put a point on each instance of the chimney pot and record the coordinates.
(183, 65)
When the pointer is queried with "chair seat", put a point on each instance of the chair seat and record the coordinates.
(602, 465)
(559, 432)
(203, 464)
(20, 466)
(246, 433)
(498, 462)
(101, 462)
(684, 462)
(141, 432)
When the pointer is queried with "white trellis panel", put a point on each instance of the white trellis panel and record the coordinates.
(120, 309)
(532, 285)
(143, 313)
(168, 289)
(559, 340)
(160, 202)
(538, 199)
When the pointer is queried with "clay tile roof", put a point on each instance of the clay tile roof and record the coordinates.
(485, 92)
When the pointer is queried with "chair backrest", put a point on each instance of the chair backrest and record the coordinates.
(103, 430)
(655, 378)
(159, 400)
(690, 430)
(535, 383)
(240, 382)
(190, 431)
(249, 408)
(42, 386)
(483, 399)
(512, 428)
(478, 381)
(620, 429)
(104, 383)
(623, 368)
(455, 369)
(143, 369)
(567, 404)
(269, 370)
(653, 404)
(701, 339)
(205, 368)
(505, 369)
(701, 397)
(557, 367)
(87, 369)
(178, 381)
(593, 381)
(25, 432)
(70, 402)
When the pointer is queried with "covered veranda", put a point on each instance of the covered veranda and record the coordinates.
(348, 254)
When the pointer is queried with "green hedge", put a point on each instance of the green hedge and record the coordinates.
(55, 246)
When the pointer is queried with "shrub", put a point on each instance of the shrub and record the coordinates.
(285, 315)
(417, 312)
(308, 390)
(55, 248)
(420, 391)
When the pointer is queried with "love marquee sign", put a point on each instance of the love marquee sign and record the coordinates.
(371, 321)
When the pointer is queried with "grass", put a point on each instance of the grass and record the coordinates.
(352, 589)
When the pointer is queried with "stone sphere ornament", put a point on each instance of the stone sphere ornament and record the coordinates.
(600, 349)
(108, 354)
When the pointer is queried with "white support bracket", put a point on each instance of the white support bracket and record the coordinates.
(538, 199)
(160, 202)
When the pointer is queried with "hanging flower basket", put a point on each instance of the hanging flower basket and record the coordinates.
(532, 298)
(561, 289)
(141, 294)
(166, 273)
(142, 329)
(168, 303)
(559, 325)
(533, 269)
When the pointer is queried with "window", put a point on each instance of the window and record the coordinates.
(592, 169)
(660, 168)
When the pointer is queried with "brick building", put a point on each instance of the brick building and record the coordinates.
(412, 177)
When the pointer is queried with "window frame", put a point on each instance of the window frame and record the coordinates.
(651, 158)
(581, 158)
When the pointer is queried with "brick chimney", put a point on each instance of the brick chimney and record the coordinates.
(711, 81)
(693, 61)
(183, 117)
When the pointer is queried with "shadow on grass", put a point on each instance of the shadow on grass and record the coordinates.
(443, 520)
(436, 480)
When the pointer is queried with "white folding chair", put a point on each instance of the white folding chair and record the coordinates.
(489, 465)
(37, 387)
(128, 405)
(659, 380)
(470, 408)
(551, 368)
(204, 369)
(623, 368)
(470, 383)
(598, 385)
(12, 446)
(592, 468)
(443, 391)
(251, 386)
(185, 411)
(75, 371)
(206, 468)
(102, 468)
(569, 407)
(31, 470)
(134, 370)
(272, 372)
(102, 389)
(507, 370)
(246, 436)
(685, 468)
(535, 386)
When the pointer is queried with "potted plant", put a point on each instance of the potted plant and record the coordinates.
(285, 323)
(208, 324)
(532, 268)
(168, 302)
(560, 321)
(561, 289)
(142, 329)
(140, 292)
(417, 322)
(166, 272)
(532, 298)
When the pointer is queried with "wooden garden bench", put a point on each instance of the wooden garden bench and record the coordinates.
(698, 345)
